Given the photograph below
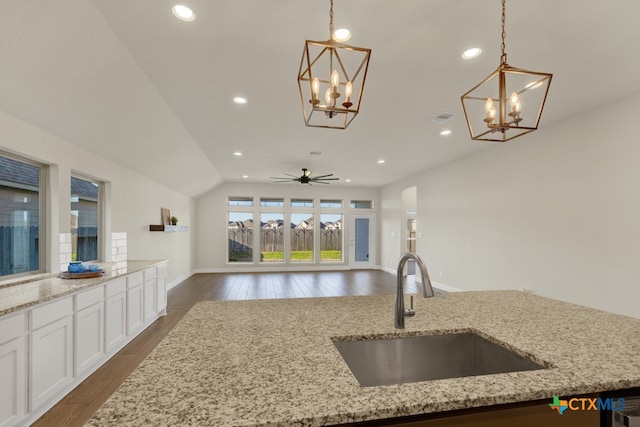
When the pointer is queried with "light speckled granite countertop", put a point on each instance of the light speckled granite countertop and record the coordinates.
(21, 294)
(248, 363)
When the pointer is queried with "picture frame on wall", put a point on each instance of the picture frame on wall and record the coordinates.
(166, 216)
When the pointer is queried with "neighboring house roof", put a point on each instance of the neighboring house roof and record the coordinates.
(29, 175)
(19, 172)
(83, 188)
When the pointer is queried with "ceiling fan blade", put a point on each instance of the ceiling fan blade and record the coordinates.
(318, 182)
(325, 179)
(283, 177)
(293, 176)
(321, 176)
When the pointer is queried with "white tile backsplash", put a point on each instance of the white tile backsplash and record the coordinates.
(118, 247)
(65, 251)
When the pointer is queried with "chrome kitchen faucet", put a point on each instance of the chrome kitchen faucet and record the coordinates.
(427, 290)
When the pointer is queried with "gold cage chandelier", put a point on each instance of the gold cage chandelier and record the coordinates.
(511, 112)
(331, 80)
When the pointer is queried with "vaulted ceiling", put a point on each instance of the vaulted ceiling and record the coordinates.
(130, 82)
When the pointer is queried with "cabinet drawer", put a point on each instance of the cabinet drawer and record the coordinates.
(51, 312)
(134, 279)
(90, 297)
(149, 273)
(12, 327)
(114, 287)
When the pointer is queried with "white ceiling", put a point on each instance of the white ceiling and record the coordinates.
(127, 80)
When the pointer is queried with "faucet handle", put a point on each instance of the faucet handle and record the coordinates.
(410, 312)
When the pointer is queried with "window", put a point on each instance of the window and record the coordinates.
(330, 203)
(361, 204)
(84, 219)
(240, 237)
(301, 203)
(21, 216)
(240, 201)
(271, 237)
(271, 202)
(330, 237)
(302, 237)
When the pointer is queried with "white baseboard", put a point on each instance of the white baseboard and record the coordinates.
(446, 288)
(180, 280)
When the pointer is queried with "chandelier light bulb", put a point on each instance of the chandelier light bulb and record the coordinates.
(327, 97)
(515, 103)
(348, 90)
(489, 109)
(335, 80)
(315, 89)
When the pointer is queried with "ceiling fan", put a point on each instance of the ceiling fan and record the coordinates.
(306, 178)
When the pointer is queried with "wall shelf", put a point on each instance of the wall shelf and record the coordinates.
(168, 228)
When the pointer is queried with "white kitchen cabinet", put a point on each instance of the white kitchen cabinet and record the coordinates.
(135, 309)
(115, 314)
(13, 369)
(51, 351)
(161, 289)
(150, 292)
(49, 348)
(89, 328)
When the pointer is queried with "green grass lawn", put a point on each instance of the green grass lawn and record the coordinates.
(298, 256)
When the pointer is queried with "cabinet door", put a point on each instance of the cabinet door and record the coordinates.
(115, 320)
(135, 309)
(13, 364)
(149, 300)
(51, 360)
(161, 294)
(89, 337)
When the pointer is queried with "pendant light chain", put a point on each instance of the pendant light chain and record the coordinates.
(503, 58)
(331, 21)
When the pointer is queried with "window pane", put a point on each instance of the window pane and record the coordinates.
(330, 203)
(301, 203)
(302, 237)
(84, 219)
(271, 202)
(19, 217)
(272, 237)
(330, 237)
(361, 204)
(240, 237)
(240, 201)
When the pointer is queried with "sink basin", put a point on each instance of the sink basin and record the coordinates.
(387, 361)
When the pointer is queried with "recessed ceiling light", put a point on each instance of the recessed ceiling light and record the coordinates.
(445, 132)
(474, 52)
(239, 100)
(245, 176)
(347, 180)
(237, 153)
(183, 13)
(341, 35)
(381, 161)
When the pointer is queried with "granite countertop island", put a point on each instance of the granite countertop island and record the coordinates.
(17, 295)
(273, 362)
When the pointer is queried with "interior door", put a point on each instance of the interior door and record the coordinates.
(362, 241)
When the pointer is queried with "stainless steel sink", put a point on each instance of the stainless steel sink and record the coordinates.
(389, 361)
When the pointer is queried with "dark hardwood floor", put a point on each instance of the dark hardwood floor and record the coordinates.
(79, 405)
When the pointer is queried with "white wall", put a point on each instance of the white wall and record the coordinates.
(556, 212)
(135, 200)
(211, 219)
